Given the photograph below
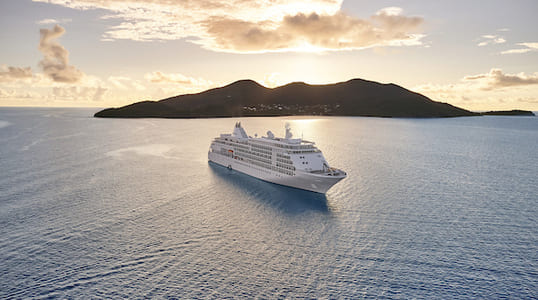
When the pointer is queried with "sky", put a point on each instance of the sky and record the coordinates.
(479, 55)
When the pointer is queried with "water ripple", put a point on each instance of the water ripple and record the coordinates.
(104, 208)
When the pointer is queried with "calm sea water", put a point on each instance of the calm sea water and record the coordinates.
(110, 208)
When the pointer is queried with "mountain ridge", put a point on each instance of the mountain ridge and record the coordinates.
(244, 98)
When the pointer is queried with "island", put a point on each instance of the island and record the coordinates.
(514, 112)
(247, 98)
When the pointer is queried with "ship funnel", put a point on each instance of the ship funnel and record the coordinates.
(289, 135)
(239, 132)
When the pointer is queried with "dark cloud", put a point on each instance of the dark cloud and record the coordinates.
(55, 63)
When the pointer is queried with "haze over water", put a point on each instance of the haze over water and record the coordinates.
(108, 208)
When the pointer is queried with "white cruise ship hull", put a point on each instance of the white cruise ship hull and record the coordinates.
(319, 183)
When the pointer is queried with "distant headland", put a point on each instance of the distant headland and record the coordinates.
(515, 112)
(247, 98)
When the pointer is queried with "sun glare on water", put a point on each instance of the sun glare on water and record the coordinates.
(305, 128)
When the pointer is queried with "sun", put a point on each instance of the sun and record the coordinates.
(306, 47)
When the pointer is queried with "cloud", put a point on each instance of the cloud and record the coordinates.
(175, 78)
(55, 63)
(126, 83)
(529, 47)
(497, 79)
(487, 91)
(166, 84)
(490, 39)
(517, 51)
(6, 93)
(9, 74)
(14, 94)
(254, 25)
(78, 93)
(302, 32)
(149, 20)
(391, 11)
(58, 81)
(52, 21)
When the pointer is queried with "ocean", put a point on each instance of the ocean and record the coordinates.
(131, 208)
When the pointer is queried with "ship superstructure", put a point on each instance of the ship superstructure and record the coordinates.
(287, 161)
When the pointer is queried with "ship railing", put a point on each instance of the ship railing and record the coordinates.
(329, 172)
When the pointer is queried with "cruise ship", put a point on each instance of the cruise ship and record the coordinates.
(286, 161)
